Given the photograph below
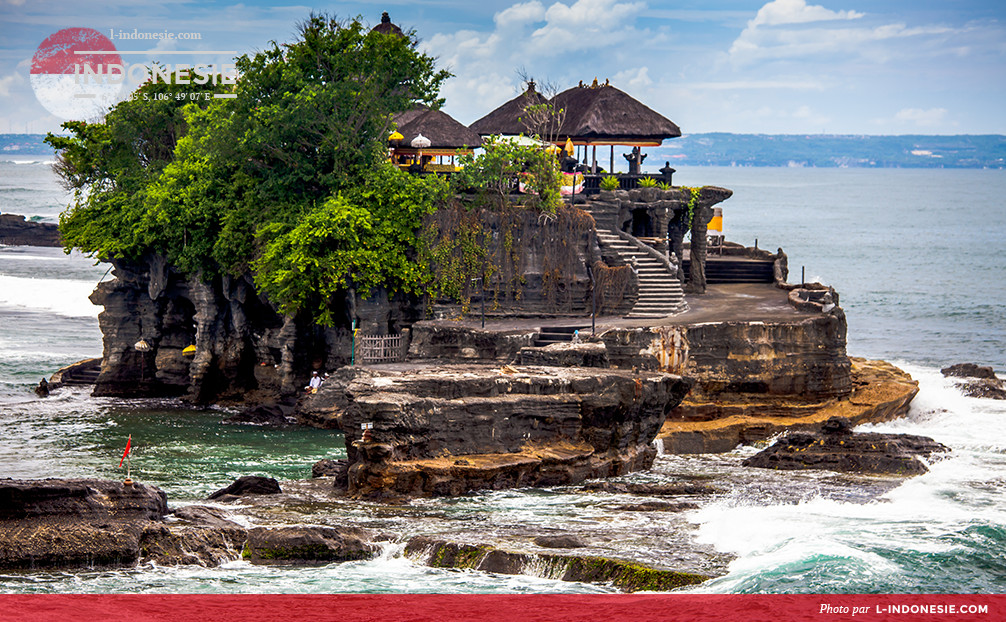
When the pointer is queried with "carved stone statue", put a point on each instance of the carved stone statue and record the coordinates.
(635, 159)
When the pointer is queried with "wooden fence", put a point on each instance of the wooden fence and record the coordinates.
(380, 348)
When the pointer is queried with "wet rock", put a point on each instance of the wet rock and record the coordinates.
(16, 231)
(976, 380)
(248, 485)
(62, 523)
(202, 516)
(837, 448)
(625, 575)
(651, 490)
(450, 429)
(565, 541)
(264, 414)
(657, 506)
(308, 545)
(338, 469)
(80, 499)
(201, 545)
(42, 390)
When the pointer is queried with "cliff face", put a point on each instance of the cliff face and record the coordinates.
(242, 344)
(246, 350)
(803, 358)
(450, 429)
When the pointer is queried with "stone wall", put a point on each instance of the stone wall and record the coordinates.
(805, 358)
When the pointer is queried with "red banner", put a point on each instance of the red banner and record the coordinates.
(500, 608)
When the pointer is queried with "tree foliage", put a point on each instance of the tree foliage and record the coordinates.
(287, 179)
(505, 162)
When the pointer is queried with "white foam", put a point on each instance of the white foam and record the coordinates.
(959, 491)
(62, 297)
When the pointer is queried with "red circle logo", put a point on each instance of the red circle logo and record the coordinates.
(77, 74)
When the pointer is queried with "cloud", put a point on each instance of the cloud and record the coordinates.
(780, 12)
(922, 118)
(7, 82)
(520, 14)
(554, 43)
(737, 85)
(799, 43)
(636, 78)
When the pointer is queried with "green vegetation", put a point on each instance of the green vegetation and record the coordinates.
(609, 182)
(647, 182)
(503, 160)
(287, 180)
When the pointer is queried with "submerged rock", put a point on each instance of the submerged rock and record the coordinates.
(976, 380)
(837, 448)
(248, 485)
(307, 545)
(625, 575)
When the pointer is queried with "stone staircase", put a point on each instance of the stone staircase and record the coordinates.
(560, 334)
(660, 293)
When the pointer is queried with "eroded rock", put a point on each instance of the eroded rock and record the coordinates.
(248, 485)
(307, 545)
(837, 448)
(976, 380)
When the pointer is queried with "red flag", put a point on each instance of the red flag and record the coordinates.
(129, 441)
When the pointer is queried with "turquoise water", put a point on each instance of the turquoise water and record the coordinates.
(917, 257)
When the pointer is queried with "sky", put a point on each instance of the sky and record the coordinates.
(778, 67)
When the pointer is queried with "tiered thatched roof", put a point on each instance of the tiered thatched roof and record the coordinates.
(506, 119)
(386, 27)
(597, 114)
(446, 135)
(604, 115)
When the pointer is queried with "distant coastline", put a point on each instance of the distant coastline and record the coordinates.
(724, 149)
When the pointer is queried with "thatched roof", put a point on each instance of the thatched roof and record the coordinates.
(386, 27)
(602, 114)
(444, 132)
(506, 119)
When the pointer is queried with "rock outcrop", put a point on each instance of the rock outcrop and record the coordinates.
(248, 485)
(16, 231)
(446, 430)
(837, 448)
(625, 575)
(880, 392)
(307, 545)
(976, 380)
(57, 523)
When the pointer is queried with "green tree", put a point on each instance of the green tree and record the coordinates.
(288, 179)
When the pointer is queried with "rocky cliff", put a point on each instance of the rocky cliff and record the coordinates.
(445, 430)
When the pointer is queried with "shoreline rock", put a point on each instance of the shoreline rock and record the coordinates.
(450, 429)
(880, 392)
(837, 448)
(976, 380)
(625, 575)
(16, 230)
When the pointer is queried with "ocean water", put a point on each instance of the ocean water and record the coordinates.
(917, 256)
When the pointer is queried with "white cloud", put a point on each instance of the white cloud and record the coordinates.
(780, 12)
(799, 43)
(8, 81)
(557, 43)
(520, 14)
(586, 25)
(736, 85)
(922, 118)
(636, 78)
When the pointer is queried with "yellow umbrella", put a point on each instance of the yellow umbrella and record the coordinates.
(189, 351)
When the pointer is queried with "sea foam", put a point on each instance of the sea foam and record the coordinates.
(62, 297)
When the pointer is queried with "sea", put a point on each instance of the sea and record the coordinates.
(918, 257)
